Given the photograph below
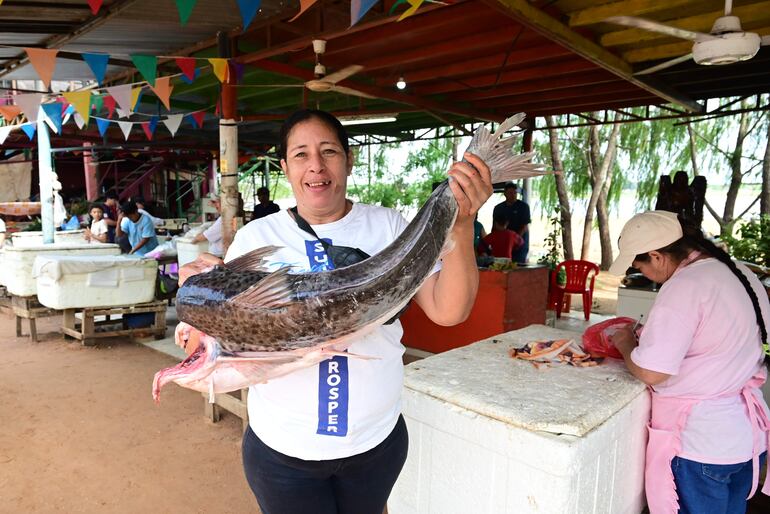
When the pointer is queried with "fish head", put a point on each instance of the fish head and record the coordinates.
(195, 367)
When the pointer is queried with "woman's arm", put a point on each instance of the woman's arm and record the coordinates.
(625, 341)
(448, 296)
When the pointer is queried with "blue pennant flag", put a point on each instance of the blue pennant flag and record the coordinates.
(53, 111)
(248, 9)
(69, 110)
(98, 65)
(195, 76)
(153, 124)
(29, 129)
(103, 126)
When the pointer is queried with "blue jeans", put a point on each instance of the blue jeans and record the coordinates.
(713, 488)
(359, 484)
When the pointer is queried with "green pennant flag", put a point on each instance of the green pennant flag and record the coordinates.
(185, 8)
(97, 103)
(147, 66)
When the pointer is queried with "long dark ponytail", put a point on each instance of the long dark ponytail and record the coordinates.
(693, 239)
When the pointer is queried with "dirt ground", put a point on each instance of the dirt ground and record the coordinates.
(80, 433)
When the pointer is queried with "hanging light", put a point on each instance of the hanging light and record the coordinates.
(401, 84)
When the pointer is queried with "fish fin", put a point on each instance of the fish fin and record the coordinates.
(252, 261)
(271, 292)
(508, 124)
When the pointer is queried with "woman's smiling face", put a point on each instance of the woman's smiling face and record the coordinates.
(317, 168)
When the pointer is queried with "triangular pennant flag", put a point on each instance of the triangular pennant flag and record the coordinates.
(81, 102)
(147, 66)
(95, 6)
(136, 95)
(9, 112)
(147, 130)
(98, 65)
(109, 102)
(30, 104)
(172, 123)
(79, 121)
(122, 113)
(358, 8)
(98, 103)
(154, 123)
(4, 131)
(187, 65)
(248, 9)
(162, 90)
(220, 68)
(126, 127)
(29, 129)
(44, 62)
(185, 8)
(415, 4)
(196, 118)
(122, 95)
(239, 69)
(196, 74)
(304, 5)
(103, 125)
(53, 116)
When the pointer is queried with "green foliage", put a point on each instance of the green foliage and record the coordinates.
(553, 255)
(753, 243)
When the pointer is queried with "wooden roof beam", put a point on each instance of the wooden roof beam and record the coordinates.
(553, 29)
(598, 14)
(587, 103)
(579, 93)
(566, 82)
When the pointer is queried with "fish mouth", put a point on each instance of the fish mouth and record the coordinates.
(192, 363)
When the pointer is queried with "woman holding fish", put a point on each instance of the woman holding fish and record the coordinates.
(701, 351)
(326, 434)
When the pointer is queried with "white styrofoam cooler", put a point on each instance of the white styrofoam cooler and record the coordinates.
(27, 239)
(78, 281)
(635, 303)
(16, 267)
(493, 435)
(187, 251)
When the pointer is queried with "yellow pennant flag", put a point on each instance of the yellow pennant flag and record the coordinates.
(135, 96)
(221, 69)
(415, 4)
(162, 90)
(81, 101)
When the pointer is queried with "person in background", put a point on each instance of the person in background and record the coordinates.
(2, 232)
(265, 207)
(503, 242)
(138, 228)
(111, 208)
(517, 214)
(98, 229)
(478, 232)
(701, 352)
(140, 203)
(213, 234)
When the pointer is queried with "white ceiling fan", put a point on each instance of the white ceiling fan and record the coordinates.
(727, 43)
(324, 83)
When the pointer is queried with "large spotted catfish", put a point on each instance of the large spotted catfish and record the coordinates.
(254, 325)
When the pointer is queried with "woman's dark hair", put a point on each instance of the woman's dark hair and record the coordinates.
(693, 239)
(308, 114)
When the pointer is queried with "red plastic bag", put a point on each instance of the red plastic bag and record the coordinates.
(596, 338)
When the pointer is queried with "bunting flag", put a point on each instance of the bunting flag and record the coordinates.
(98, 103)
(109, 102)
(359, 8)
(147, 66)
(126, 127)
(147, 130)
(172, 123)
(4, 131)
(239, 69)
(248, 9)
(122, 113)
(185, 8)
(53, 116)
(195, 76)
(98, 65)
(95, 5)
(415, 4)
(304, 5)
(197, 118)
(220, 67)
(187, 65)
(30, 104)
(9, 112)
(81, 101)
(29, 129)
(162, 90)
(103, 125)
(44, 62)
(79, 121)
(136, 95)
(123, 96)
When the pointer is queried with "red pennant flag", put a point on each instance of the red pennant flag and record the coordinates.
(218, 110)
(109, 103)
(95, 5)
(187, 65)
(198, 117)
(147, 131)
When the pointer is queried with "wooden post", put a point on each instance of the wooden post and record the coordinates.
(91, 168)
(228, 150)
(45, 172)
(526, 146)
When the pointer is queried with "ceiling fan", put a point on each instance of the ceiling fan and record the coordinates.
(324, 83)
(727, 43)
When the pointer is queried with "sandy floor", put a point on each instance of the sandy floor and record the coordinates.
(80, 433)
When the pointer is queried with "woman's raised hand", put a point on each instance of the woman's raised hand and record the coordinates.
(472, 186)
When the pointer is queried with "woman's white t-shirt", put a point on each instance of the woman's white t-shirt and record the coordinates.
(343, 406)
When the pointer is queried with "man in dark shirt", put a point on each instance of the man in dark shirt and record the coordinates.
(265, 206)
(517, 214)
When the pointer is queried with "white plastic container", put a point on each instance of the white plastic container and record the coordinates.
(16, 267)
(27, 239)
(78, 281)
(492, 435)
(187, 251)
(635, 303)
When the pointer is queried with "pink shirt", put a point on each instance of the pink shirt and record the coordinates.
(702, 330)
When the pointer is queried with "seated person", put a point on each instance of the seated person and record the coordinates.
(138, 228)
(213, 234)
(503, 242)
(98, 230)
(140, 204)
(265, 207)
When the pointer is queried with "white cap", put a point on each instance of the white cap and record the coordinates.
(643, 233)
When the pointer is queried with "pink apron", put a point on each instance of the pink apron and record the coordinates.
(667, 420)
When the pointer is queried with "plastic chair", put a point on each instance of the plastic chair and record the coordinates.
(578, 274)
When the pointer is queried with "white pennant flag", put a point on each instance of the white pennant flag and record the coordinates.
(79, 121)
(126, 127)
(122, 95)
(172, 123)
(30, 104)
(4, 131)
(122, 113)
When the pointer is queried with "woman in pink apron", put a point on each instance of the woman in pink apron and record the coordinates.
(701, 352)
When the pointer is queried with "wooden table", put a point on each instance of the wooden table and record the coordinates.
(27, 307)
(229, 402)
(89, 330)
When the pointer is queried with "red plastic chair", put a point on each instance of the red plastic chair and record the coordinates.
(578, 275)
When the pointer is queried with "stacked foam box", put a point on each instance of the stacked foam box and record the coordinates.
(187, 251)
(493, 435)
(27, 239)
